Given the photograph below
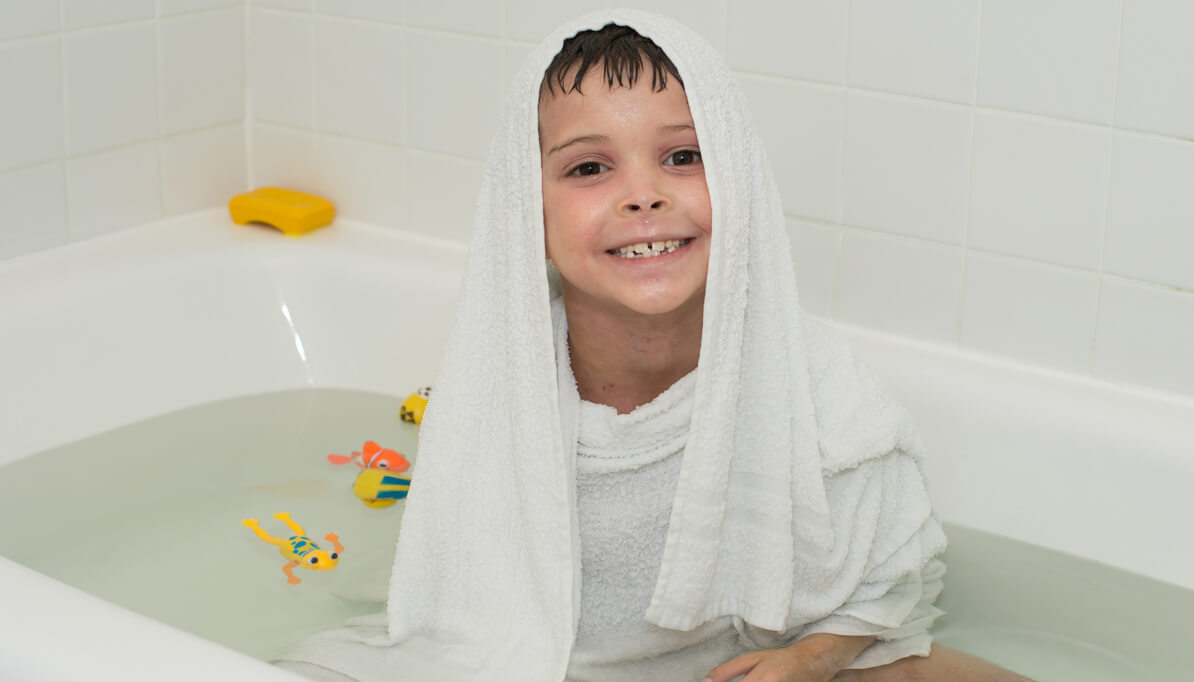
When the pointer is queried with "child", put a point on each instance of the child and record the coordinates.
(642, 462)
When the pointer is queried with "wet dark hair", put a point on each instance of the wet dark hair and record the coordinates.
(620, 50)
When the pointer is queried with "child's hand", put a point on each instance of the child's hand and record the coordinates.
(816, 658)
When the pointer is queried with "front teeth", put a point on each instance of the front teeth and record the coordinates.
(649, 249)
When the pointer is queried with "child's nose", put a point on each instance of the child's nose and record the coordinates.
(644, 205)
(643, 191)
(644, 197)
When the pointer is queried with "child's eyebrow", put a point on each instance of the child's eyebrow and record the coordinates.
(580, 139)
(598, 139)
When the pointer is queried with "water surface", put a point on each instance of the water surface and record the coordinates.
(148, 516)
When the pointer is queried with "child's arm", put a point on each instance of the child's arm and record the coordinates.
(815, 658)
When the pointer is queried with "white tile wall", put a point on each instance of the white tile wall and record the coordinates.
(96, 93)
(1156, 68)
(111, 87)
(365, 179)
(78, 14)
(203, 169)
(1011, 176)
(31, 125)
(793, 119)
(285, 158)
(360, 76)
(442, 193)
(815, 250)
(113, 190)
(1051, 57)
(1031, 312)
(906, 165)
(801, 39)
(34, 201)
(384, 11)
(531, 20)
(203, 71)
(447, 122)
(1144, 336)
(167, 8)
(282, 68)
(1039, 188)
(926, 48)
(293, 5)
(23, 18)
(1150, 220)
(900, 285)
(458, 16)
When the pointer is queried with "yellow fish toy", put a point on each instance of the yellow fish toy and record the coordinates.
(378, 488)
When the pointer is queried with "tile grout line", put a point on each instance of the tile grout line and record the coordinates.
(66, 141)
(839, 238)
(248, 111)
(159, 106)
(1102, 272)
(959, 322)
(312, 67)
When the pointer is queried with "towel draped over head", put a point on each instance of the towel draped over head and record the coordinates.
(485, 582)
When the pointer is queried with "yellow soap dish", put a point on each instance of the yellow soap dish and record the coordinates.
(294, 213)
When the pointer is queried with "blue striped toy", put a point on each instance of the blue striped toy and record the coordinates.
(378, 488)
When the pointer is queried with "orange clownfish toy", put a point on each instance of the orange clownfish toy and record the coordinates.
(373, 456)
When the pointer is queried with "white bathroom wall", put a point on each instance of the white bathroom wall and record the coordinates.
(116, 113)
(1009, 176)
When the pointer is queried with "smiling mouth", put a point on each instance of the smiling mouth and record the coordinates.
(649, 249)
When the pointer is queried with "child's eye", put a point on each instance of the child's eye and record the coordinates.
(684, 157)
(588, 168)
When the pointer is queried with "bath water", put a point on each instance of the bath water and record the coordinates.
(1056, 617)
(148, 516)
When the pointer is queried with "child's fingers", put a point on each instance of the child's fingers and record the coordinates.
(733, 668)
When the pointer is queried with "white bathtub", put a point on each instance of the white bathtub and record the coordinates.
(196, 309)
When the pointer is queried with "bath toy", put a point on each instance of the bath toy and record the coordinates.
(379, 489)
(299, 548)
(373, 456)
(294, 213)
(412, 408)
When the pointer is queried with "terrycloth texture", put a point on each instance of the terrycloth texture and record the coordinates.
(627, 469)
(485, 582)
(627, 466)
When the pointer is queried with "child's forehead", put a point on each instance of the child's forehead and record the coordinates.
(598, 108)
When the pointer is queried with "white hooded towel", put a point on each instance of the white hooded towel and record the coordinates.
(764, 525)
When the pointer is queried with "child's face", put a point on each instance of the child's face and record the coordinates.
(621, 167)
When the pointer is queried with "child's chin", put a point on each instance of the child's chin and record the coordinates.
(667, 304)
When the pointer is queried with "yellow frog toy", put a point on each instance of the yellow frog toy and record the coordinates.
(299, 548)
